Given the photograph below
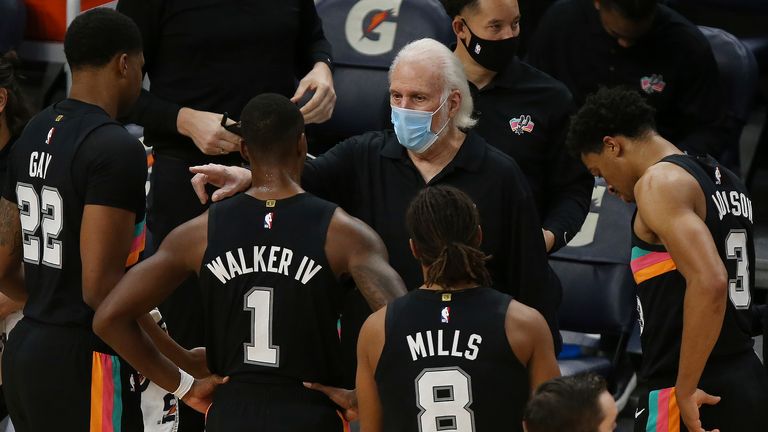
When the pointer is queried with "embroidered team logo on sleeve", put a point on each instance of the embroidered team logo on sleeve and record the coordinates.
(521, 124)
(268, 218)
(653, 84)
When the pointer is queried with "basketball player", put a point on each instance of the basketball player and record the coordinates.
(72, 212)
(269, 261)
(454, 354)
(692, 257)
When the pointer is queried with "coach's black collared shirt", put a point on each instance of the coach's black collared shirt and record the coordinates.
(672, 66)
(524, 113)
(372, 177)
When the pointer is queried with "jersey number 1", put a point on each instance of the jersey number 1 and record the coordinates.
(260, 351)
(48, 207)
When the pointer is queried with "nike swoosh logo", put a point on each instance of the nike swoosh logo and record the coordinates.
(637, 413)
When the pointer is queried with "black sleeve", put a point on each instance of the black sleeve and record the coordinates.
(149, 111)
(313, 46)
(114, 169)
(701, 103)
(332, 175)
(568, 186)
(527, 266)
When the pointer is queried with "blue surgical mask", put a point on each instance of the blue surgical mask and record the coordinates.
(414, 128)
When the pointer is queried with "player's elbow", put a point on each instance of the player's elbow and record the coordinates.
(714, 286)
(102, 323)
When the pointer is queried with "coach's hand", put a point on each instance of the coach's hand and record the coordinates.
(229, 180)
(200, 395)
(345, 399)
(320, 107)
(689, 409)
(206, 131)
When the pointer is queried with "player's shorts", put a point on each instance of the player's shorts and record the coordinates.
(740, 381)
(54, 381)
(247, 407)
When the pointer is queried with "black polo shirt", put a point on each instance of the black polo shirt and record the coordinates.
(524, 113)
(672, 66)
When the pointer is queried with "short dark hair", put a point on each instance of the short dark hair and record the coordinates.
(443, 223)
(17, 111)
(454, 7)
(95, 37)
(271, 126)
(569, 403)
(609, 112)
(633, 10)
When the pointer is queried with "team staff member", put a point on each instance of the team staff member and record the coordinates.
(271, 314)
(522, 112)
(645, 46)
(374, 177)
(474, 354)
(692, 256)
(204, 58)
(72, 212)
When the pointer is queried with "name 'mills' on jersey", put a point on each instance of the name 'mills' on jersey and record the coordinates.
(447, 364)
(661, 287)
(271, 299)
(70, 155)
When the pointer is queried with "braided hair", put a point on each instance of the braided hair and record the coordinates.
(443, 223)
(17, 112)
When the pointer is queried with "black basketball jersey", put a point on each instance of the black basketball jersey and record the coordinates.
(270, 297)
(52, 175)
(661, 288)
(447, 364)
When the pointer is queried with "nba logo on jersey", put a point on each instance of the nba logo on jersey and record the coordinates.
(445, 315)
(718, 176)
(50, 135)
(268, 220)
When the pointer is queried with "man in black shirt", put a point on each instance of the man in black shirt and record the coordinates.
(642, 45)
(271, 290)
(73, 213)
(522, 112)
(374, 176)
(205, 58)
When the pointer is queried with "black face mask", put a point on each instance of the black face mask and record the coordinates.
(491, 54)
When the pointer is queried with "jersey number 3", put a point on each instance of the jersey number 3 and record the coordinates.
(48, 207)
(444, 396)
(260, 351)
(738, 287)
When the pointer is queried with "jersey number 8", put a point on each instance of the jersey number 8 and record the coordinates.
(48, 207)
(444, 396)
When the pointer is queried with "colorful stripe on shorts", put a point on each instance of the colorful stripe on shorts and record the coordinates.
(648, 264)
(663, 413)
(139, 240)
(106, 394)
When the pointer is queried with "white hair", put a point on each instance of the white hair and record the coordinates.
(452, 71)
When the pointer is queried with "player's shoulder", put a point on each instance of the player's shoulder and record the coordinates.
(111, 140)
(665, 179)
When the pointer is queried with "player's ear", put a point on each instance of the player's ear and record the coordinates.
(302, 147)
(244, 151)
(611, 145)
(3, 99)
(122, 64)
(414, 249)
(479, 236)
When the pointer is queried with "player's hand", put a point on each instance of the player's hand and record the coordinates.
(320, 81)
(549, 239)
(689, 409)
(200, 395)
(346, 399)
(206, 131)
(198, 365)
(229, 180)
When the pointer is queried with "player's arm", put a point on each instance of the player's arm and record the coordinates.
(11, 250)
(531, 341)
(143, 287)
(369, 347)
(666, 200)
(354, 248)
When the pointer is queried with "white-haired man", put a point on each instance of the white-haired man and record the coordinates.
(374, 177)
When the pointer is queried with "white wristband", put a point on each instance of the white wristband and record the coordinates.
(184, 384)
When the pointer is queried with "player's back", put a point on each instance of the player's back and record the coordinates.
(269, 294)
(661, 288)
(447, 364)
(49, 179)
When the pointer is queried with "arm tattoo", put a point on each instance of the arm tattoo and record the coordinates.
(10, 229)
(378, 284)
